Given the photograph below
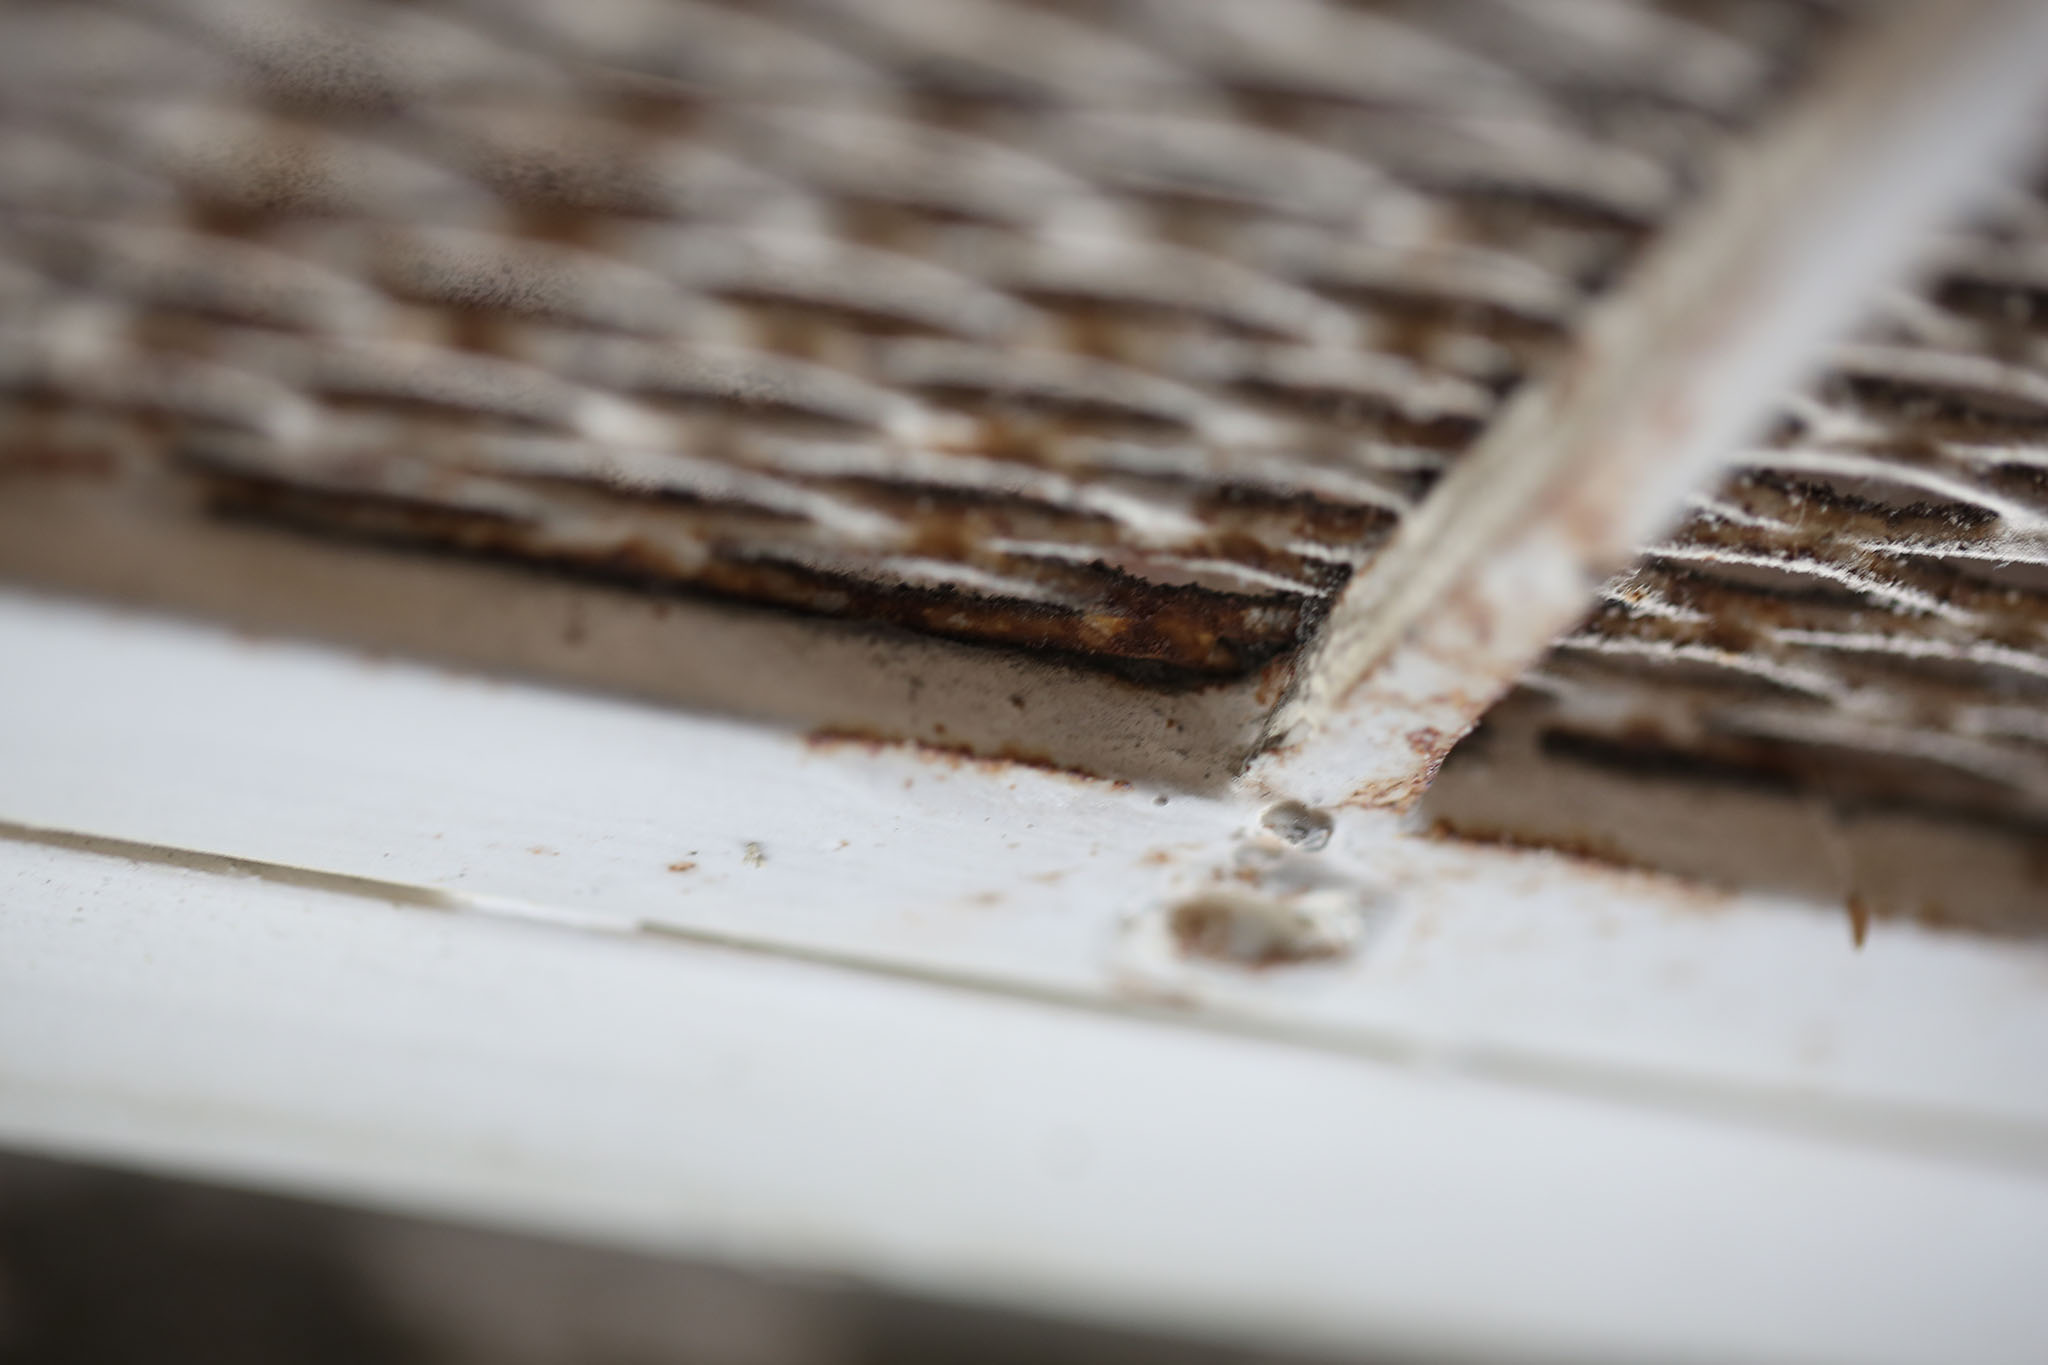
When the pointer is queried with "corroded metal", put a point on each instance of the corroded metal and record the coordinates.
(1127, 333)
(1853, 623)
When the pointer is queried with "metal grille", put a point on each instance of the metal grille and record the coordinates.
(1855, 620)
(1124, 331)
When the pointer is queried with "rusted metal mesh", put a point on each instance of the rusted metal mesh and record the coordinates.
(1127, 330)
(1859, 612)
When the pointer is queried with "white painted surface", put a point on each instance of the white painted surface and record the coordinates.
(1545, 1109)
(687, 1097)
(526, 801)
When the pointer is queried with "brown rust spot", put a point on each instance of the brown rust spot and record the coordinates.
(1859, 919)
(683, 865)
(1428, 741)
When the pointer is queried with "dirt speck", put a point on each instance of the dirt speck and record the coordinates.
(1294, 823)
(754, 855)
(1859, 920)
(542, 850)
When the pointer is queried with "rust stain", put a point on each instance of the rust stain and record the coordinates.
(1427, 741)
(1174, 636)
(684, 865)
(1273, 681)
(1157, 857)
(1583, 847)
(954, 757)
(1597, 859)
(1398, 794)
(1859, 920)
(543, 851)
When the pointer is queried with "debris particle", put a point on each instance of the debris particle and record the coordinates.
(1305, 827)
(753, 856)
